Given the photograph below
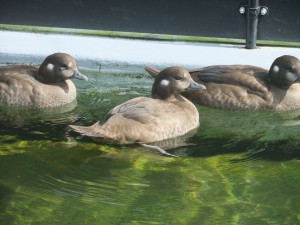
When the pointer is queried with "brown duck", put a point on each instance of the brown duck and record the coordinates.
(165, 115)
(245, 87)
(43, 87)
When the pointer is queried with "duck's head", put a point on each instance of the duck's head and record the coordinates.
(285, 71)
(173, 80)
(59, 67)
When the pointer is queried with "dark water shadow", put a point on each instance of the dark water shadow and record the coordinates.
(271, 136)
(251, 148)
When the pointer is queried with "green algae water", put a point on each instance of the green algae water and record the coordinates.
(239, 168)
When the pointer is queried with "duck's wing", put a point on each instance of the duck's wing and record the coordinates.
(17, 85)
(252, 79)
(234, 87)
(137, 109)
(146, 110)
(128, 115)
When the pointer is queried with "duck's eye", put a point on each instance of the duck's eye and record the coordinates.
(64, 67)
(289, 68)
(178, 77)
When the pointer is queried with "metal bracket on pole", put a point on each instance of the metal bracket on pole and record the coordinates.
(252, 11)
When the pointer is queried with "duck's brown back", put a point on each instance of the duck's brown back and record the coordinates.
(234, 87)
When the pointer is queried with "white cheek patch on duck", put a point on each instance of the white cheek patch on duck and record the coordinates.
(69, 64)
(290, 76)
(164, 83)
(275, 69)
(50, 66)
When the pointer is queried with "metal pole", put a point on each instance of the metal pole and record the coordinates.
(252, 19)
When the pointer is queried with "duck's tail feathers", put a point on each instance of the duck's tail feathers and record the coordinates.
(152, 71)
(87, 131)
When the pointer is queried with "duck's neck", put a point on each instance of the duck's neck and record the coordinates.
(46, 76)
(40, 78)
(171, 98)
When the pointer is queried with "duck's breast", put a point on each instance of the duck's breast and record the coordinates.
(56, 94)
(285, 100)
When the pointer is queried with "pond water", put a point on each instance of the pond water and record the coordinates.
(239, 168)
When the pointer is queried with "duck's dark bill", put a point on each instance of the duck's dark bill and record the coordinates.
(79, 76)
(195, 86)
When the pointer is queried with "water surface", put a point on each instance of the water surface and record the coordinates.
(239, 168)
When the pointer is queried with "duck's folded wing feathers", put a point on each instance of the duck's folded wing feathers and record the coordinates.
(141, 109)
(250, 78)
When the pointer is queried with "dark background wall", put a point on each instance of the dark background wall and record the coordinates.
(212, 18)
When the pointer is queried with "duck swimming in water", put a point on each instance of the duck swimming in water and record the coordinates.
(43, 87)
(165, 115)
(245, 87)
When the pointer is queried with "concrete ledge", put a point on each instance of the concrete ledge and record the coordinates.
(118, 53)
